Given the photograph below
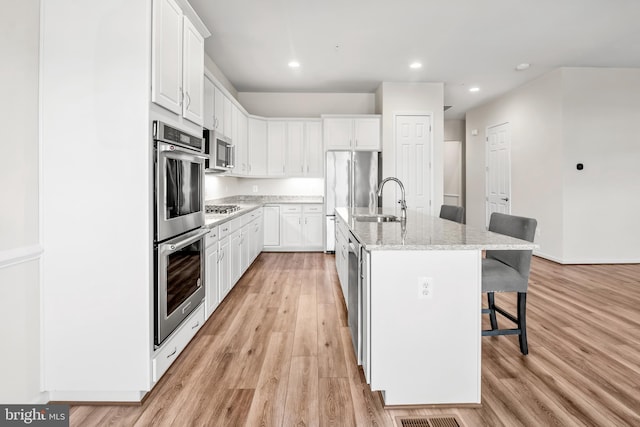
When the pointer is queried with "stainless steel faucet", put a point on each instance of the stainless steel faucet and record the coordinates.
(403, 201)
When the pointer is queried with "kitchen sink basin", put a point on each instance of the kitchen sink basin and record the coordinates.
(377, 218)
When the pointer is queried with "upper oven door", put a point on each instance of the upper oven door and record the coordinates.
(179, 191)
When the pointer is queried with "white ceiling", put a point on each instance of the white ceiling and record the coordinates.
(354, 45)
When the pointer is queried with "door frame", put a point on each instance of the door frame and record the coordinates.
(429, 115)
(486, 169)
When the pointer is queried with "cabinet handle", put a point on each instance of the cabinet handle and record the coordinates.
(249, 167)
(299, 221)
(175, 350)
(302, 169)
(196, 325)
(181, 97)
(307, 168)
(188, 99)
(221, 256)
(282, 168)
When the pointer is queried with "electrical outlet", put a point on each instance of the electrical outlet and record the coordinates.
(255, 188)
(425, 287)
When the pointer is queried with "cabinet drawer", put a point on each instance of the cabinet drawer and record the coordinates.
(255, 214)
(224, 230)
(312, 208)
(290, 208)
(174, 345)
(211, 237)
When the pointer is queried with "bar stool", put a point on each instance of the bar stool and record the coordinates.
(452, 213)
(508, 271)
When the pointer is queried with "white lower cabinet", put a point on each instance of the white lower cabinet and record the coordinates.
(234, 254)
(271, 226)
(224, 267)
(212, 295)
(342, 255)
(301, 227)
(177, 342)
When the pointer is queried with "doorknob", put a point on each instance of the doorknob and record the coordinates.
(506, 199)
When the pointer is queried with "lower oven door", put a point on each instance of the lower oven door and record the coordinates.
(179, 281)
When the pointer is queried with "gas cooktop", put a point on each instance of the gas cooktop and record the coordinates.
(221, 209)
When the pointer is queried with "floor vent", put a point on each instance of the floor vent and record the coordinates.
(439, 421)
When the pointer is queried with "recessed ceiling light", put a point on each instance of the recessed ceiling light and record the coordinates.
(474, 89)
(294, 64)
(415, 65)
(522, 67)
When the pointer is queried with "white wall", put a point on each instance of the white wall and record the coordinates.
(282, 187)
(20, 319)
(306, 104)
(563, 118)
(601, 115)
(404, 98)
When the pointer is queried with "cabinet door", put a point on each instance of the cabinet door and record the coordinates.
(208, 104)
(245, 248)
(276, 143)
(218, 110)
(241, 145)
(227, 127)
(166, 55)
(291, 229)
(294, 163)
(257, 144)
(257, 238)
(192, 73)
(367, 134)
(312, 231)
(338, 133)
(314, 153)
(211, 279)
(235, 112)
(236, 261)
(271, 226)
(224, 268)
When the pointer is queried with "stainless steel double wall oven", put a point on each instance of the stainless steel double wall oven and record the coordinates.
(178, 221)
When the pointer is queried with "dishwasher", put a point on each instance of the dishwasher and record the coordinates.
(354, 295)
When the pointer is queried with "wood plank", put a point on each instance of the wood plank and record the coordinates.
(301, 407)
(336, 407)
(305, 341)
(331, 361)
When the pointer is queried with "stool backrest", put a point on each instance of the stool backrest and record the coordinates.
(452, 213)
(515, 226)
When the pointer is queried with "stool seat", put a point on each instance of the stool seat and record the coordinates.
(499, 277)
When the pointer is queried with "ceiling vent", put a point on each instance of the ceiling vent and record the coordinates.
(446, 107)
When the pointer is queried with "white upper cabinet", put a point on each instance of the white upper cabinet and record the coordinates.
(208, 104)
(294, 163)
(240, 142)
(276, 143)
(352, 133)
(177, 62)
(166, 76)
(366, 134)
(227, 129)
(338, 133)
(314, 153)
(192, 73)
(218, 110)
(257, 143)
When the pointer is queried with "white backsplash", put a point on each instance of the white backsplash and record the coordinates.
(217, 187)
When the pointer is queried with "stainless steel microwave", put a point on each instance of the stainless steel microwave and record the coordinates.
(220, 151)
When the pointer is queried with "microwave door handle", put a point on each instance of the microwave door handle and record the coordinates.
(231, 156)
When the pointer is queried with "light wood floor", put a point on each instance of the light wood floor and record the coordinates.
(277, 352)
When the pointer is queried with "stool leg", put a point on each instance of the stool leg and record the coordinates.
(492, 314)
(522, 323)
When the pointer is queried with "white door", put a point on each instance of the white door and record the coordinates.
(224, 268)
(498, 170)
(166, 55)
(338, 133)
(271, 226)
(211, 279)
(276, 143)
(413, 161)
(314, 154)
(294, 163)
(453, 173)
(312, 231)
(257, 147)
(366, 134)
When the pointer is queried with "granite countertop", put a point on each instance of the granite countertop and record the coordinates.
(249, 203)
(424, 232)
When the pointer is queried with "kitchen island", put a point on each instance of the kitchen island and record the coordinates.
(418, 304)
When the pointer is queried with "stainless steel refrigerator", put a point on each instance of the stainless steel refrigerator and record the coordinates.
(351, 180)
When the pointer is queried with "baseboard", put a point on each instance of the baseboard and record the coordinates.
(571, 261)
(97, 397)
